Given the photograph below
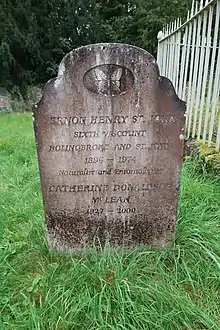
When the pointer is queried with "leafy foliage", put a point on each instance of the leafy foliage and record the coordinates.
(34, 36)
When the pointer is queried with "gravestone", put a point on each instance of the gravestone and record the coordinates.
(109, 134)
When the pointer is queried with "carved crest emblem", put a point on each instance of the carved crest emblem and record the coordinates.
(108, 79)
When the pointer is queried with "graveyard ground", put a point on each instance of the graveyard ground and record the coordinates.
(177, 288)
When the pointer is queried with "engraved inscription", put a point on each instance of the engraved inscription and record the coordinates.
(129, 133)
(79, 147)
(112, 199)
(118, 133)
(103, 188)
(163, 119)
(108, 79)
(112, 171)
(94, 120)
(106, 147)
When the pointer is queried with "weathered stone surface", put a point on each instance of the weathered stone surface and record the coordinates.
(34, 94)
(109, 133)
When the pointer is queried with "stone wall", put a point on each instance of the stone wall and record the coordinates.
(5, 101)
(15, 102)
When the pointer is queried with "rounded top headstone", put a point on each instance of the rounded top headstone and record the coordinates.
(109, 140)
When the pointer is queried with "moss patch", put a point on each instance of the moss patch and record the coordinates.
(207, 159)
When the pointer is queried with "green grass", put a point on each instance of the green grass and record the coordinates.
(177, 288)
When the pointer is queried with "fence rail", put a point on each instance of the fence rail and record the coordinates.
(189, 55)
